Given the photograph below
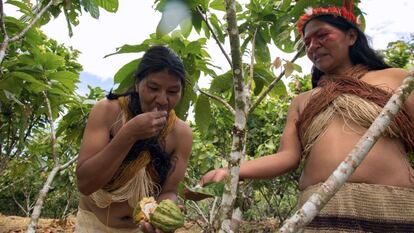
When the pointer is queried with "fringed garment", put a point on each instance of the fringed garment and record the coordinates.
(359, 207)
(135, 178)
(87, 222)
(353, 100)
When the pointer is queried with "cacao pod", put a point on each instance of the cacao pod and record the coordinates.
(165, 216)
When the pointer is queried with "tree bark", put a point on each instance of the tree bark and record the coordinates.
(241, 107)
(56, 168)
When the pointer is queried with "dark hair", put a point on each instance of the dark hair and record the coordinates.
(159, 58)
(360, 52)
(156, 59)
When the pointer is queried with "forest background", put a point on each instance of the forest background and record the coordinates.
(45, 104)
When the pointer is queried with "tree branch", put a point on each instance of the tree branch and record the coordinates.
(214, 36)
(32, 22)
(3, 24)
(64, 166)
(8, 40)
(326, 191)
(250, 77)
(56, 168)
(272, 84)
(228, 106)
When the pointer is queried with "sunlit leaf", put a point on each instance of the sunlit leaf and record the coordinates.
(215, 189)
(91, 7)
(109, 5)
(202, 113)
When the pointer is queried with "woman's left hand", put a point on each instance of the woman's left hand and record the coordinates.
(146, 227)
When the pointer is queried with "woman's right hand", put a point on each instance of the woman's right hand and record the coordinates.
(148, 124)
(216, 175)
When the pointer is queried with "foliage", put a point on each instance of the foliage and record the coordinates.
(400, 53)
(37, 64)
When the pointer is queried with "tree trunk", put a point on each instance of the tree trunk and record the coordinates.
(241, 107)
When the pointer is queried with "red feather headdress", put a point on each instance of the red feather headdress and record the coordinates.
(345, 12)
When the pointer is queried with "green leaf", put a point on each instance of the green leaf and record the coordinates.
(193, 47)
(222, 83)
(263, 77)
(218, 5)
(278, 90)
(130, 49)
(27, 77)
(22, 6)
(10, 84)
(186, 27)
(215, 22)
(215, 189)
(202, 113)
(50, 61)
(182, 108)
(262, 53)
(108, 5)
(66, 78)
(125, 76)
(91, 7)
(196, 21)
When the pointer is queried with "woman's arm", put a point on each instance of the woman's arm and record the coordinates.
(184, 140)
(286, 159)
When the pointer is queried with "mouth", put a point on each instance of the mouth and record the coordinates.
(317, 57)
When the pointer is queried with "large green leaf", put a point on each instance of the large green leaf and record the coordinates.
(202, 113)
(92, 7)
(182, 108)
(130, 49)
(125, 76)
(12, 86)
(25, 9)
(27, 77)
(262, 53)
(218, 5)
(186, 27)
(108, 5)
(50, 61)
(66, 78)
(263, 77)
(222, 83)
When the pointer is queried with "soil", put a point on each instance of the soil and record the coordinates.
(16, 224)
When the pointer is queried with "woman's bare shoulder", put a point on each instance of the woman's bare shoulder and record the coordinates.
(105, 111)
(182, 129)
(390, 78)
(302, 99)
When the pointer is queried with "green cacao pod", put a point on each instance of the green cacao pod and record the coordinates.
(165, 216)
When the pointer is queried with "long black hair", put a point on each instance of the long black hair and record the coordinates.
(156, 59)
(360, 52)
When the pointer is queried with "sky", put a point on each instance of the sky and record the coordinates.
(386, 21)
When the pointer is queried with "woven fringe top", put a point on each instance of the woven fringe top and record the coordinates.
(353, 100)
(132, 181)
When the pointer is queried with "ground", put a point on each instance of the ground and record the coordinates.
(15, 224)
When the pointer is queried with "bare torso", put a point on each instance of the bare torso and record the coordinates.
(119, 214)
(385, 164)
